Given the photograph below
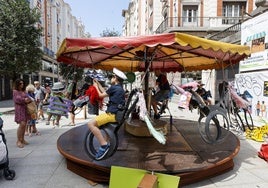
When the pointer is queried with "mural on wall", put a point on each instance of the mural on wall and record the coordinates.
(255, 84)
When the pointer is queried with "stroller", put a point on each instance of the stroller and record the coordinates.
(4, 162)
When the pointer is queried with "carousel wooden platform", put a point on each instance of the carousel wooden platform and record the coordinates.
(185, 154)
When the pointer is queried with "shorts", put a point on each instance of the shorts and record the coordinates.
(40, 106)
(161, 95)
(105, 118)
(32, 122)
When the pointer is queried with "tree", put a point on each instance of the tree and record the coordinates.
(20, 50)
(109, 33)
(70, 72)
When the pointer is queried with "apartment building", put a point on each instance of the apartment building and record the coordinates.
(203, 18)
(58, 23)
(142, 17)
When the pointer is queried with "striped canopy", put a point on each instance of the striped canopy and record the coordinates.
(167, 52)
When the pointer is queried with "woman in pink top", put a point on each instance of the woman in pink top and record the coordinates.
(20, 99)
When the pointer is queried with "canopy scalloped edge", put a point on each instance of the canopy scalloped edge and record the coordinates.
(106, 52)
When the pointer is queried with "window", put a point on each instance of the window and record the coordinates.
(190, 13)
(232, 11)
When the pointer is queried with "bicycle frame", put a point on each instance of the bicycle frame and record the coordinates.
(110, 131)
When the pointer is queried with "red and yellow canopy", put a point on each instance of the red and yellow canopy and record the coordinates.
(167, 52)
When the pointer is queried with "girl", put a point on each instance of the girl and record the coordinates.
(31, 125)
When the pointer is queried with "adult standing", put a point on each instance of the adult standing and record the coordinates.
(20, 99)
(48, 92)
(40, 93)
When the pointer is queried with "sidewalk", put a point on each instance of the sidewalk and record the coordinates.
(40, 165)
(6, 105)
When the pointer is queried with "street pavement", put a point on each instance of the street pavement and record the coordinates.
(40, 165)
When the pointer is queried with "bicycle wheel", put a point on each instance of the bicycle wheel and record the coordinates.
(92, 145)
(202, 130)
(248, 119)
(77, 110)
(216, 127)
(241, 124)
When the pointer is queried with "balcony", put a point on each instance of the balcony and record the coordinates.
(48, 52)
(196, 23)
(228, 35)
(263, 3)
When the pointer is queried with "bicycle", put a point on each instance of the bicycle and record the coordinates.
(209, 131)
(79, 103)
(110, 130)
(229, 108)
(162, 107)
(197, 102)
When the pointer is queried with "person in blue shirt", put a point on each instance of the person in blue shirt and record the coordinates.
(116, 96)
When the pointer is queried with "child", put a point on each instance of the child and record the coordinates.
(116, 96)
(56, 106)
(31, 124)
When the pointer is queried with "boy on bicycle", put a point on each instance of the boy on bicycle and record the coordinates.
(116, 96)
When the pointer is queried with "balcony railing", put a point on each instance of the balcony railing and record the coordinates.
(48, 52)
(227, 32)
(206, 23)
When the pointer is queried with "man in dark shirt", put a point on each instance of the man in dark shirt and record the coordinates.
(116, 96)
(162, 93)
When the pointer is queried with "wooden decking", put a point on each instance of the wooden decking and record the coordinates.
(185, 154)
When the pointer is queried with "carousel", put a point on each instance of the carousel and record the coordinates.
(166, 146)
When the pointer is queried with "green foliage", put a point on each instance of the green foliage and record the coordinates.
(68, 72)
(110, 33)
(20, 50)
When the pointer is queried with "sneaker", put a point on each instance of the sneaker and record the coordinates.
(156, 116)
(102, 151)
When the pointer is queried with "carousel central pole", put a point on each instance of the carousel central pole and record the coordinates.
(146, 79)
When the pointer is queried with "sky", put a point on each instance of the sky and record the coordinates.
(97, 15)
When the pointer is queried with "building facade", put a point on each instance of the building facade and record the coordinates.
(203, 18)
(58, 23)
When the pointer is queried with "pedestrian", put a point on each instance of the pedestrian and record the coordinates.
(116, 96)
(31, 124)
(48, 92)
(40, 93)
(54, 110)
(20, 99)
